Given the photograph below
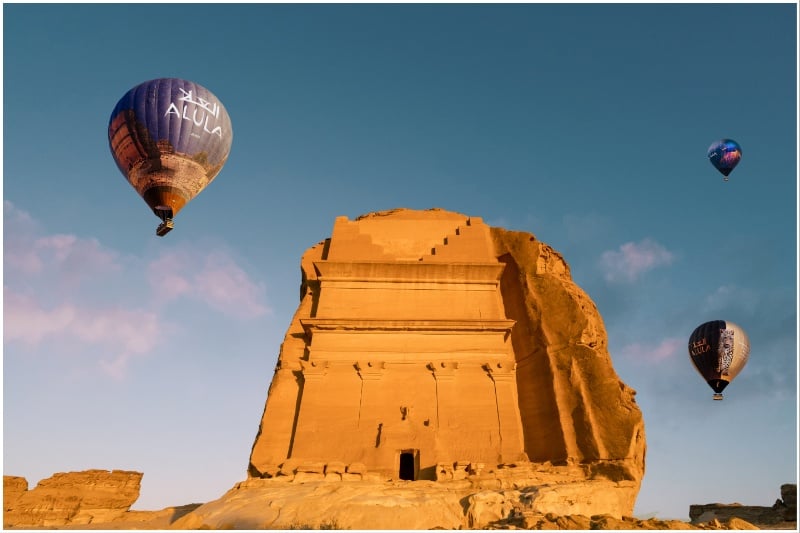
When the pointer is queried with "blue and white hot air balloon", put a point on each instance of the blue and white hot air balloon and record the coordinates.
(170, 138)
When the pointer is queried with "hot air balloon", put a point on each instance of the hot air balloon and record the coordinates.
(719, 350)
(725, 154)
(169, 137)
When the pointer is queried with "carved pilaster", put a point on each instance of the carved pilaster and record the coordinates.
(443, 370)
(314, 369)
(503, 374)
(370, 370)
(500, 371)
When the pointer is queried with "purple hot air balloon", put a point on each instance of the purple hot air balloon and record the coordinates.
(170, 137)
(725, 154)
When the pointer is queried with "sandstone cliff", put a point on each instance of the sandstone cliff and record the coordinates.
(568, 389)
(73, 498)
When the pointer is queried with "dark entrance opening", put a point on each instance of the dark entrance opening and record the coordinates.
(407, 466)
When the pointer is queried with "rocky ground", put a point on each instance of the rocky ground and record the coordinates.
(168, 519)
(98, 499)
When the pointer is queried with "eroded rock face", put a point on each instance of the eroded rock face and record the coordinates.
(71, 498)
(781, 513)
(13, 488)
(574, 406)
(429, 346)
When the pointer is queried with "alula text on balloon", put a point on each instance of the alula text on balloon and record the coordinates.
(698, 347)
(199, 111)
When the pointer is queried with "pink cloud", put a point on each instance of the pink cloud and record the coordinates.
(25, 321)
(70, 292)
(167, 276)
(76, 259)
(633, 259)
(227, 288)
(213, 278)
(126, 332)
(666, 349)
(68, 258)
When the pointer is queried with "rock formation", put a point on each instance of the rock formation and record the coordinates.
(265, 503)
(73, 498)
(782, 512)
(428, 346)
(270, 504)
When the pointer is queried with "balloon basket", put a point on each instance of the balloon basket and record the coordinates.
(165, 227)
(717, 396)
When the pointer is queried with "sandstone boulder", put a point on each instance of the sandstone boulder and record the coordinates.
(70, 498)
(780, 515)
(13, 488)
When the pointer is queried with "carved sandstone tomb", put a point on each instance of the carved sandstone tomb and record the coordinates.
(428, 343)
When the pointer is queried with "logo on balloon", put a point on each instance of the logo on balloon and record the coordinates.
(698, 347)
(205, 108)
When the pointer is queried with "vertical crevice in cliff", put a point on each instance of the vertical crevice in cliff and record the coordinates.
(583, 418)
(542, 432)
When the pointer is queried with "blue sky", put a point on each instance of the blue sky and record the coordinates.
(586, 125)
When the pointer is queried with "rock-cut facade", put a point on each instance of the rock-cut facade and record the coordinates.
(429, 345)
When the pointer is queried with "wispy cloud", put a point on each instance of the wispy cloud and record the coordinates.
(66, 289)
(633, 259)
(122, 332)
(71, 258)
(213, 278)
(666, 349)
(729, 297)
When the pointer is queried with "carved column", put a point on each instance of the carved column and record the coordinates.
(370, 372)
(503, 374)
(444, 373)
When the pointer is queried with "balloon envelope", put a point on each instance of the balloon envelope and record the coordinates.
(725, 154)
(719, 350)
(169, 137)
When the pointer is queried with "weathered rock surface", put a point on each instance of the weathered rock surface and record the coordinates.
(429, 346)
(76, 498)
(782, 513)
(285, 503)
(568, 389)
(274, 504)
(13, 488)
